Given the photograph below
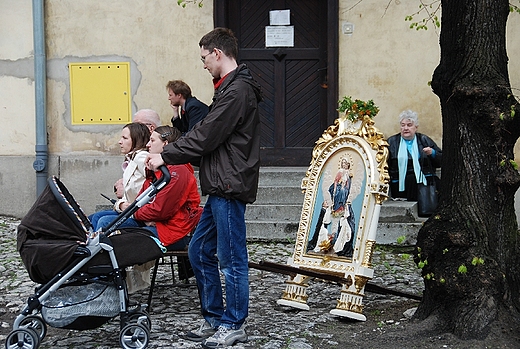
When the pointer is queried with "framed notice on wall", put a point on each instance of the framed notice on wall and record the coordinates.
(279, 36)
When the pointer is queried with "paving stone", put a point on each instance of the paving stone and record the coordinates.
(175, 310)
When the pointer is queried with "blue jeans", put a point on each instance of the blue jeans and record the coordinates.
(94, 218)
(102, 219)
(220, 238)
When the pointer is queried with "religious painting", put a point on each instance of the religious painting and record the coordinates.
(340, 195)
(344, 188)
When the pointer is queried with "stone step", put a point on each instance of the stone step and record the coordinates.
(275, 215)
(278, 176)
(397, 234)
(259, 212)
(278, 186)
(278, 198)
(285, 195)
(281, 176)
(265, 224)
(399, 212)
(275, 231)
(268, 212)
(275, 195)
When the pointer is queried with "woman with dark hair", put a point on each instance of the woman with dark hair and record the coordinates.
(134, 137)
(176, 210)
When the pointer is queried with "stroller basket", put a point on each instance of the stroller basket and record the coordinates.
(81, 307)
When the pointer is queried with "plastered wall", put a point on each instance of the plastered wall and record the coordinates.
(382, 59)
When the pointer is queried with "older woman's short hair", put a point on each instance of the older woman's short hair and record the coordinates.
(410, 115)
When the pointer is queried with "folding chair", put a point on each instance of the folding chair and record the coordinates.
(184, 272)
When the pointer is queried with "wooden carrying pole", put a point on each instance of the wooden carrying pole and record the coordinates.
(337, 278)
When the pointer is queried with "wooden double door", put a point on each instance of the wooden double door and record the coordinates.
(299, 83)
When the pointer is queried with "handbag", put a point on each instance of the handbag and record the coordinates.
(427, 194)
(427, 197)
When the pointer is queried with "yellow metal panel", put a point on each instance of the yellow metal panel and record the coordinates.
(100, 93)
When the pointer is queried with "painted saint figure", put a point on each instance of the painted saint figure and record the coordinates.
(335, 228)
(342, 210)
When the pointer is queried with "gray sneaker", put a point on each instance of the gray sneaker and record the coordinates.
(225, 337)
(205, 330)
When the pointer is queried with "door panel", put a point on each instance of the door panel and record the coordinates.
(302, 109)
(297, 82)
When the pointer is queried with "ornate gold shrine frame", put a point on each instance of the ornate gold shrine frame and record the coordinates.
(349, 158)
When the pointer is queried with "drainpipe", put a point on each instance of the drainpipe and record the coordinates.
(40, 78)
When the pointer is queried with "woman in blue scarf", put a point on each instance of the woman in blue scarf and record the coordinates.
(413, 158)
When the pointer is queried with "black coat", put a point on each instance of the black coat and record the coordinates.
(193, 112)
(428, 163)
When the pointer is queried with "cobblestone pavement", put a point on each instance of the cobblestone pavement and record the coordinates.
(269, 326)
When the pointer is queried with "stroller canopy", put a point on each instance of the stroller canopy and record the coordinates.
(54, 216)
(49, 233)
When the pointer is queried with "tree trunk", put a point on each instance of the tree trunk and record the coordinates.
(469, 250)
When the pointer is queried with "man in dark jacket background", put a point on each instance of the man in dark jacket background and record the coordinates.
(227, 145)
(193, 110)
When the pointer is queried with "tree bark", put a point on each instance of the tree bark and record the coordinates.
(469, 250)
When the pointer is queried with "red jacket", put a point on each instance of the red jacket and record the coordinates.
(176, 208)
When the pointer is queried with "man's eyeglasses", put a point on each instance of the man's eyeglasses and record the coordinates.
(203, 58)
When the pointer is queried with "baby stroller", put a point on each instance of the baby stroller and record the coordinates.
(81, 272)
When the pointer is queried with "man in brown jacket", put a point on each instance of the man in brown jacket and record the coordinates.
(227, 145)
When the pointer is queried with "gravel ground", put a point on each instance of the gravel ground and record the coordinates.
(269, 326)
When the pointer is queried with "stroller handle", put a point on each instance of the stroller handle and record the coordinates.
(145, 197)
(164, 180)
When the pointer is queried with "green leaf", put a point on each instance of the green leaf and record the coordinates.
(357, 109)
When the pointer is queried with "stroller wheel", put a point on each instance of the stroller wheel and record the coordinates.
(35, 323)
(134, 336)
(141, 317)
(26, 338)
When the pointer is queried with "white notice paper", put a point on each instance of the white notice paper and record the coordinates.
(279, 36)
(280, 17)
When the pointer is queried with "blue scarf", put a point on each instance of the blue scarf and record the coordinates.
(406, 147)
